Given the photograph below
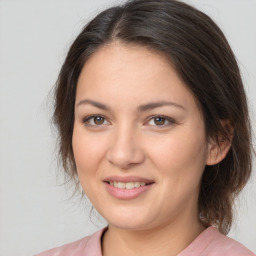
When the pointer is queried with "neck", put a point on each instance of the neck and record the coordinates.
(166, 240)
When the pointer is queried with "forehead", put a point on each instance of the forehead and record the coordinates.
(132, 72)
(118, 60)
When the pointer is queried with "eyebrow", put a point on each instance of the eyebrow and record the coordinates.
(153, 105)
(93, 103)
(141, 108)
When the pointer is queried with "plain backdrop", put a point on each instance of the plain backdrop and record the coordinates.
(35, 210)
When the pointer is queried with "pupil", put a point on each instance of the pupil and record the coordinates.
(159, 120)
(98, 120)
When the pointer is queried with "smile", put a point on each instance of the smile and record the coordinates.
(125, 188)
(127, 185)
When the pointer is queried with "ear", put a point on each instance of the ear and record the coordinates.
(217, 150)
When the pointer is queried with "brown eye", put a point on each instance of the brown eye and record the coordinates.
(95, 121)
(159, 120)
(98, 120)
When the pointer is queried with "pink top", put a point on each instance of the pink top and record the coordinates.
(209, 243)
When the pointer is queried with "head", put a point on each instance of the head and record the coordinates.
(201, 58)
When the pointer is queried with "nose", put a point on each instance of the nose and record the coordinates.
(125, 148)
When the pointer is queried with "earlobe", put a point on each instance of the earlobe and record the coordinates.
(217, 150)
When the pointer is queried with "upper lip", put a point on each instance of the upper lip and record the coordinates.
(126, 179)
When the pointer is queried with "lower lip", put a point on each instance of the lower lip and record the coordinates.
(126, 194)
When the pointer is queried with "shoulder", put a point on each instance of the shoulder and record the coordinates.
(89, 245)
(233, 246)
(230, 246)
(67, 249)
(212, 243)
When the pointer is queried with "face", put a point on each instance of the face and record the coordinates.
(139, 140)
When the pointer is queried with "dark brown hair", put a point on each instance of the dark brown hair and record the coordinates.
(202, 57)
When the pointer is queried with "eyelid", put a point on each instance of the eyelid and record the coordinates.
(167, 118)
(170, 120)
(87, 118)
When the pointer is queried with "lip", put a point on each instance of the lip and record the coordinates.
(126, 179)
(126, 194)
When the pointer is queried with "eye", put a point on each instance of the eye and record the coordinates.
(95, 120)
(161, 121)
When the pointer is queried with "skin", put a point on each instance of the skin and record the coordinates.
(127, 141)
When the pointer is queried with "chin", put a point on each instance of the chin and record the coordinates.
(129, 226)
(130, 220)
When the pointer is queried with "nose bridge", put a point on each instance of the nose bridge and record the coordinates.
(125, 148)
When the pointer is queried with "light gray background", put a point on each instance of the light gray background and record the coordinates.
(35, 213)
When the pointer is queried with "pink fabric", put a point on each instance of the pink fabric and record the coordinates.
(212, 243)
(209, 243)
(88, 246)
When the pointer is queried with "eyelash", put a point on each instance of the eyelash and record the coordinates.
(170, 121)
(167, 119)
(87, 119)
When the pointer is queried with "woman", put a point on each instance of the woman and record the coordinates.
(153, 124)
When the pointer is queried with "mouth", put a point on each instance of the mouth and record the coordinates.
(125, 188)
(128, 185)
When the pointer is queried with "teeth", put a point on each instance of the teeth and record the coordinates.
(136, 184)
(127, 185)
(121, 185)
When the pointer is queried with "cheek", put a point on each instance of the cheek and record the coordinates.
(88, 152)
(182, 154)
